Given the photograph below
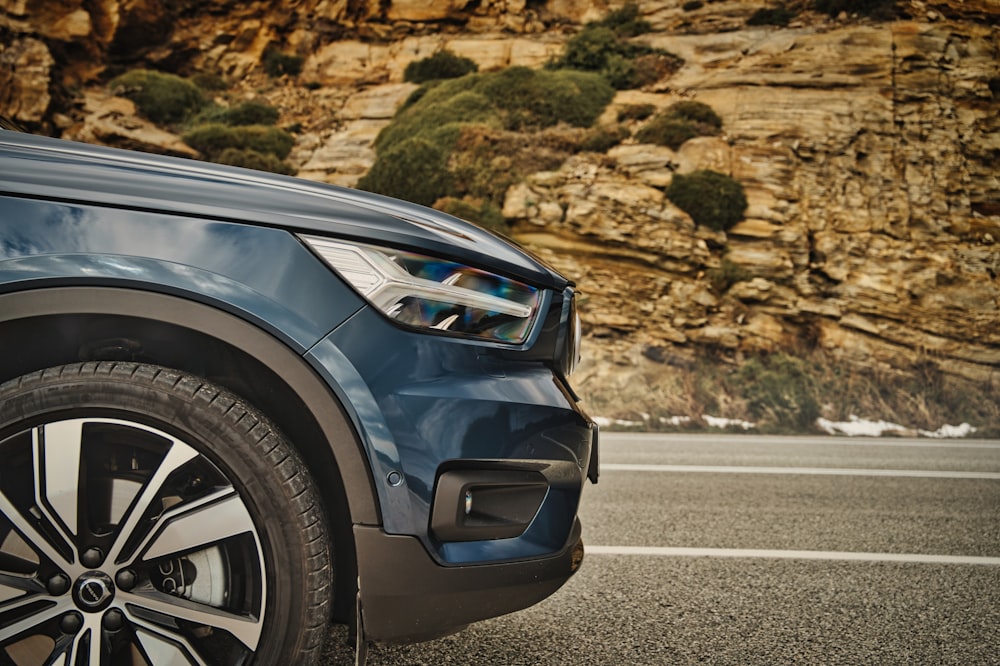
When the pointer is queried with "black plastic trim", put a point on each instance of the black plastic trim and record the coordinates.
(478, 504)
(406, 596)
(289, 366)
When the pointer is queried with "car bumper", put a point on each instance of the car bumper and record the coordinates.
(406, 595)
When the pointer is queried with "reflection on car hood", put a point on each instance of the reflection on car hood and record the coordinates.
(41, 166)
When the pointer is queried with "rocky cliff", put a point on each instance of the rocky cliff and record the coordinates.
(868, 150)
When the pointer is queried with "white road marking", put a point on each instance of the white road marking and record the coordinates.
(656, 551)
(817, 471)
(671, 439)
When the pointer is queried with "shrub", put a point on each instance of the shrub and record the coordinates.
(651, 67)
(589, 49)
(680, 122)
(514, 98)
(277, 63)
(486, 161)
(213, 138)
(250, 113)
(877, 9)
(636, 112)
(779, 16)
(692, 5)
(600, 47)
(711, 199)
(479, 110)
(434, 113)
(666, 131)
(619, 71)
(482, 212)
(603, 139)
(441, 65)
(696, 112)
(415, 170)
(245, 113)
(534, 99)
(251, 159)
(726, 275)
(162, 98)
(625, 21)
(209, 81)
(780, 390)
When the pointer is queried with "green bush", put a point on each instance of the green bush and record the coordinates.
(877, 9)
(780, 390)
(162, 98)
(250, 113)
(711, 199)
(680, 122)
(514, 98)
(603, 139)
(726, 275)
(251, 159)
(619, 71)
(442, 65)
(486, 161)
(213, 138)
(209, 81)
(666, 131)
(590, 48)
(535, 99)
(483, 108)
(636, 112)
(779, 16)
(701, 114)
(482, 212)
(651, 67)
(244, 113)
(432, 113)
(625, 21)
(277, 63)
(602, 47)
(415, 170)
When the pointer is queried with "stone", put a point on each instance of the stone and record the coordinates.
(112, 121)
(25, 73)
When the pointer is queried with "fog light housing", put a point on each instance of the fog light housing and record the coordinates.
(477, 505)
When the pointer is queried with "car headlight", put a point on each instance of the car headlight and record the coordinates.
(434, 294)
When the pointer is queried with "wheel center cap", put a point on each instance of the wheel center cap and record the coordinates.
(93, 591)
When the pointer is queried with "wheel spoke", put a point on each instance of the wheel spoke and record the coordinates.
(164, 648)
(245, 629)
(87, 642)
(12, 587)
(178, 454)
(197, 525)
(56, 450)
(35, 619)
(35, 538)
(175, 573)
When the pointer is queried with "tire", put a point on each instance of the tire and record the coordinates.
(151, 517)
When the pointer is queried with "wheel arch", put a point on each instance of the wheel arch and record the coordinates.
(41, 328)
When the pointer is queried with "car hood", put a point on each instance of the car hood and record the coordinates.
(71, 171)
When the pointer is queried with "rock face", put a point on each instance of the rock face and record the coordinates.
(868, 152)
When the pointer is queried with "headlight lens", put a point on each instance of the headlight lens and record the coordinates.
(434, 294)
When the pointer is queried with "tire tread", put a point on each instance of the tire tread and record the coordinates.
(258, 433)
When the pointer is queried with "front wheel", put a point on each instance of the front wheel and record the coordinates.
(149, 517)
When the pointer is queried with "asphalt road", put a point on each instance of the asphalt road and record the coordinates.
(755, 550)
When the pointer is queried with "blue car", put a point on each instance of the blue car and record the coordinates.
(236, 407)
